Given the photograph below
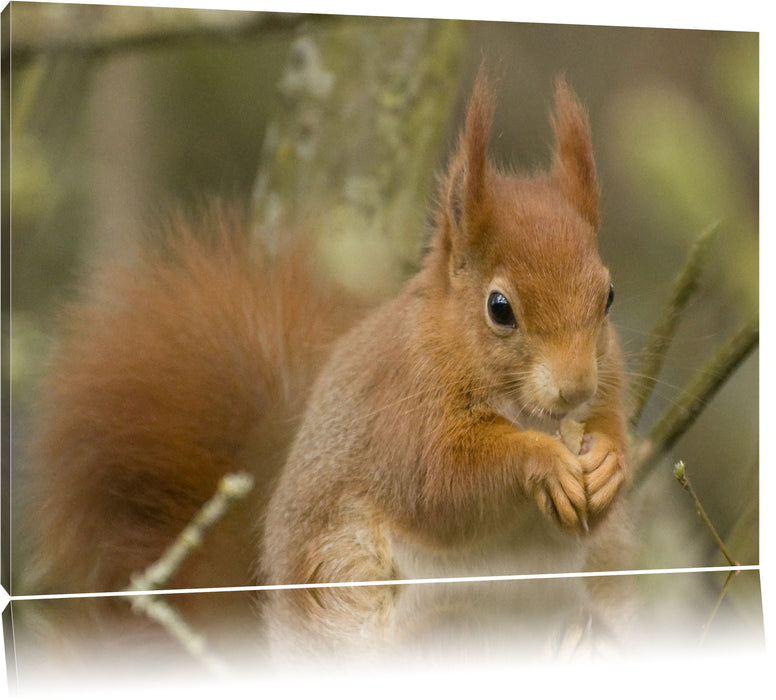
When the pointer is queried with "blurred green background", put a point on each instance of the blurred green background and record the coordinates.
(174, 106)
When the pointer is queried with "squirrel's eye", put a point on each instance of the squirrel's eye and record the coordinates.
(610, 298)
(500, 310)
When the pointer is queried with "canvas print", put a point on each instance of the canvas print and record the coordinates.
(372, 340)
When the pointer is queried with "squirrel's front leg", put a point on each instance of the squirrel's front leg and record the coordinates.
(605, 470)
(555, 478)
(604, 460)
(478, 467)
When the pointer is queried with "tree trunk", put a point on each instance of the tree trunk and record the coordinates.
(351, 155)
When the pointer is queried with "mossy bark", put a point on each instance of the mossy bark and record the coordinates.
(351, 155)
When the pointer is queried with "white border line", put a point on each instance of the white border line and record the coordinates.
(387, 582)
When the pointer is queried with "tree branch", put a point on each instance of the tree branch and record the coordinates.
(97, 32)
(696, 394)
(654, 352)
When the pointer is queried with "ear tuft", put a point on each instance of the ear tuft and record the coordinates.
(476, 137)
(463, 191)
(574, 166)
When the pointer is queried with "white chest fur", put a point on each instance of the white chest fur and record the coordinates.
(453, 600)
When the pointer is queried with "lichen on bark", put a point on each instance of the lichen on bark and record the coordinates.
(351, 154)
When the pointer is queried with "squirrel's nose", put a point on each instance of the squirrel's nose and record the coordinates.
(573, 393)
(570, 385)
(563, 388)
(565, 375)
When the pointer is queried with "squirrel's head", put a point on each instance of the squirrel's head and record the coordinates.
(518, 263)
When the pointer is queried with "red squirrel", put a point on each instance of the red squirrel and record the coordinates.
(423, 441)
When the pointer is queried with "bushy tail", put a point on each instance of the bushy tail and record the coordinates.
(189, 363)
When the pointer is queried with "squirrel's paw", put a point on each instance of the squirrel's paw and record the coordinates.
(559, 490)
(605, 473)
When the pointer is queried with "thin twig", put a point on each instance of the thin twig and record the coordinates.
(731, 575)
(230, 488)
(177, 627)
(696, 394)
(654, 352)
(680, 472)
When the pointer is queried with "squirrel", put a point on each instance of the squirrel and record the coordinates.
(422, 440)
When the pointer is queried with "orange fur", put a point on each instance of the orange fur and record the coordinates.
(168, 377)
(430, 432)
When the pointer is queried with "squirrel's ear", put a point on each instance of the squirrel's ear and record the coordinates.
(574, 166)
(463, 189)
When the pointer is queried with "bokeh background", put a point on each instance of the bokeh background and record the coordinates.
(174, 105)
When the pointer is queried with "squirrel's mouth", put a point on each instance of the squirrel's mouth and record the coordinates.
(528, 412)
(526, 417)
(533, 414)
(556, 415)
